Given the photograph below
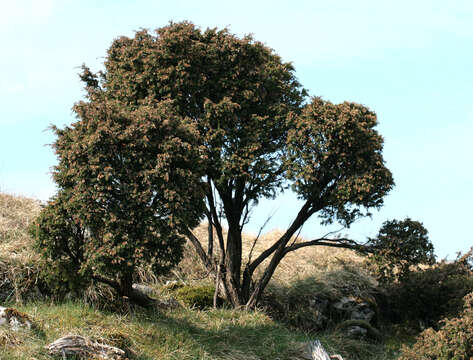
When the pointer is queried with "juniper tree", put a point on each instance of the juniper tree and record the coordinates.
(126, 190)
(240, 106)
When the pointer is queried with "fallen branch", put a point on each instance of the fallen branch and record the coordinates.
(318, 352)
(84, 348)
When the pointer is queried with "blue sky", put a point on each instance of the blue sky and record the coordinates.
(409, 61)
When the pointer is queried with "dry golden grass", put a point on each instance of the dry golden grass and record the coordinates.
(305, 262)
(18, 262)
(16, 214)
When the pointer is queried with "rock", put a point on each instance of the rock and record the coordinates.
(360, 328)
(145, 289)
(169, 303)
(84, 348)
(356, 331)
(354, 309)
(14, 319)
(358, 315)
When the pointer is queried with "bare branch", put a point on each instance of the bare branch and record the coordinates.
(304, 213)
(298, 234)
(247, 210)
(199, 249)
(268, 219)
(215, 217)
(333, 232)
(339, 243)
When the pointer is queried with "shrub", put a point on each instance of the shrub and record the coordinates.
(431, 294)
(126, 190)
(399, 246)
(307, 303)
(60, 240)
(200, 296)
(453, 341)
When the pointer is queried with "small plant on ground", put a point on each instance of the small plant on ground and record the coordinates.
(199, 296)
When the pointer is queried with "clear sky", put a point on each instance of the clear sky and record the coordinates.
(409, 61)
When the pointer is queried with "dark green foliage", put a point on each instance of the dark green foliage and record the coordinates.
(129, 182)
(334, 160)
(60, 239)
(304, 304)
(399, 246)
(429, 295)
(199, 296)
(453, 341)
(183, 106)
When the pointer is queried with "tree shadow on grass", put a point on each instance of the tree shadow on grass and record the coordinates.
(220, 335)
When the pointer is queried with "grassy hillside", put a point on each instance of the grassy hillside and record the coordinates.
(182, 332)
(177, 334)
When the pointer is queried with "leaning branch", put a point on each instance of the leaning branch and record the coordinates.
(199, 249)
(344, 243)
(214, 216)
(305, 212)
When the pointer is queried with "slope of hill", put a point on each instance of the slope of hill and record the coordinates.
(171, 333)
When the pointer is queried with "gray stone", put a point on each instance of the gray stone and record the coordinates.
(354, 309)
(356, 331)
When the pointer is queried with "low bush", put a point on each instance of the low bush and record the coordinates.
(398, 247)
(198, 296)
(426, 296)
(453, 341)
(307, 303)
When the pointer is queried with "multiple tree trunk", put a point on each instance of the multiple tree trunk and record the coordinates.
(236, 281)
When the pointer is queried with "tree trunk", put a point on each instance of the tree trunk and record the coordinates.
(125, 288)
(211, 238)
(233, 264)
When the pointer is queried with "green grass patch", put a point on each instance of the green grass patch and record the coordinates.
(171, 334)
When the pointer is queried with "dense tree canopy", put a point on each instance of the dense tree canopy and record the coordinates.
(127, 189)
(184, 116)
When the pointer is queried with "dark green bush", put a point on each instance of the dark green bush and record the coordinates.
(453, 341)
(60, 240)
(399, 246)
(426, 296)
(198, 296)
